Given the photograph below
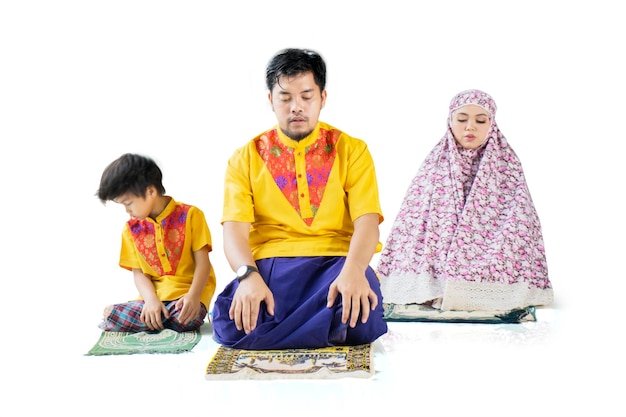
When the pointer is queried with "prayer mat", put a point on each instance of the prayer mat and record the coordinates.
(165, 341)
(320, 363)
(419, 312)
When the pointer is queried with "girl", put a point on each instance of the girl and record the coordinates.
(467, 236)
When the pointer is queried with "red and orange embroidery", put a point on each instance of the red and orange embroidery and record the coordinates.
(280, 161)
(173, 226)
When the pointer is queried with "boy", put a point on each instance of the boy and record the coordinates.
(165, 244)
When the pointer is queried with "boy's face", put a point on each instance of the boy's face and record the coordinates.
(136, 206)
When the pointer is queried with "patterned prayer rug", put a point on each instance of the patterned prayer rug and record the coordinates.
(165, 341)
(321, 363)
(418, 312)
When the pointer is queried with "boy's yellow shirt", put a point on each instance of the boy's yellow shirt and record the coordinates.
(163, 250)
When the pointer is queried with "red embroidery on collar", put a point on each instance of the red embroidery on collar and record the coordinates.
(280, 161)
(173, 229)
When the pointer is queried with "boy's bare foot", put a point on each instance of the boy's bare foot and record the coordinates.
(107, 311)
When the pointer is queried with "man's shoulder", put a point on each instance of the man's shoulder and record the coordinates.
(252, 143)
(271, 131)
(344, 142)
(342, 135)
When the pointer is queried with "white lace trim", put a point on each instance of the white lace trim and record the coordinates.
(411, 288)
(465, 295)
(461, 295)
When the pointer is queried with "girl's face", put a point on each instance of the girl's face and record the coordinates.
(470, 125)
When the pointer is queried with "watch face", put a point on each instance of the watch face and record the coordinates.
(242, 270)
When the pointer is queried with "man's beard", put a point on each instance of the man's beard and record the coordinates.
(297, 136)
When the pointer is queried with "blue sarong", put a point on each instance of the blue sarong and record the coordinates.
(301, 318)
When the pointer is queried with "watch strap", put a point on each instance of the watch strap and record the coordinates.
(249, 269)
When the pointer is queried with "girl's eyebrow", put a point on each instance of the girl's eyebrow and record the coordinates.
(479, 114)
(476, 115)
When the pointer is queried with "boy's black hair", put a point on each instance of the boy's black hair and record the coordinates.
(130, 173)
(293, 61)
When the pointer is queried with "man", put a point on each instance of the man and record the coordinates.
(301, 217)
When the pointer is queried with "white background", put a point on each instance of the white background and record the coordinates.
(82, 82)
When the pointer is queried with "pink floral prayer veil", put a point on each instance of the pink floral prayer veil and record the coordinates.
(467, 236)
(476, 97)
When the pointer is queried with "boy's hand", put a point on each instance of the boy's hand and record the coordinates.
(189, 309)
(152, 314)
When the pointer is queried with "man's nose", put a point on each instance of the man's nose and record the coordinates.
(296, 105)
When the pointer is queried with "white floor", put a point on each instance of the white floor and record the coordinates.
(443, 369)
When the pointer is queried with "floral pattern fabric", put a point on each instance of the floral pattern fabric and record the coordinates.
(170, 238)
(281, 162)
(467, 216)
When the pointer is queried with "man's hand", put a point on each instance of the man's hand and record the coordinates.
(356, 294)
(244, 309)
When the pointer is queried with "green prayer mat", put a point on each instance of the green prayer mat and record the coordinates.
(419, 312)
(321, 363)
(165, 341)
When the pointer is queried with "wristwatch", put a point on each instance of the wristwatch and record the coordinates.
(245, 270)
